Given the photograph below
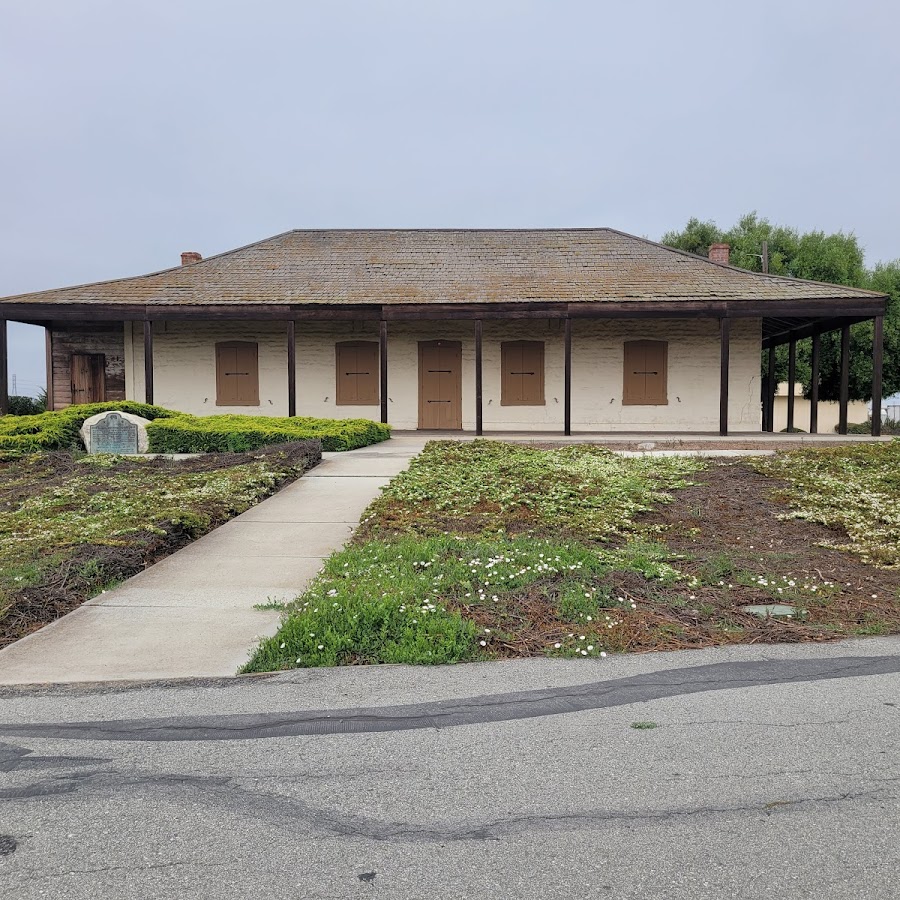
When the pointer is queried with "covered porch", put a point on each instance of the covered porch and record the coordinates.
(582, 357)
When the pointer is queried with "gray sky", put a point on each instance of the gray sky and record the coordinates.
(135, 130)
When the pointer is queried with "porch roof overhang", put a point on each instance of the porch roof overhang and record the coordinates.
(783, 320)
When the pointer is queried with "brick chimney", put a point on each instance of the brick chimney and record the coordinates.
(192, 256)
(719, 253)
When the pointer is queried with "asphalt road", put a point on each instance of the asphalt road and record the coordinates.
(770, 772)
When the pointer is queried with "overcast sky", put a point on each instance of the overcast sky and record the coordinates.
(135, 129)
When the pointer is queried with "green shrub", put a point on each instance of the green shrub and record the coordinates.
(888, 426)
(211, 434)
(26, 406)
(59, 430)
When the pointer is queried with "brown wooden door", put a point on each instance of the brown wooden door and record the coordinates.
(440, 385)
(88, 378)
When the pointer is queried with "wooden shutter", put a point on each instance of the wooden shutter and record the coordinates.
(522, 373)
(237, 374)
(645, 376)
(356, 373)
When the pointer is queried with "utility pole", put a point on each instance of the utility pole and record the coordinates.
(765, 257)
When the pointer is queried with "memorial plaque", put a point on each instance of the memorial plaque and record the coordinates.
(113, 434)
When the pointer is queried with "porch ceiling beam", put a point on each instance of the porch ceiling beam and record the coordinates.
(784, 310)
(820, 326)
(124, 312)
(646, 309)
(859, 309)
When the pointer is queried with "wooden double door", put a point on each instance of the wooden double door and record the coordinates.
(440, 385)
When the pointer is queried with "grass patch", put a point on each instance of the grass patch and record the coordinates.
(450, 598)
(71, 527)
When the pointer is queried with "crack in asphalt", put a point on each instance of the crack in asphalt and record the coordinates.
(278, 809)
(485, 709)
(40, 876)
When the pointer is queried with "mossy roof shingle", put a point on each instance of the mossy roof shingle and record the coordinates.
(349, 267)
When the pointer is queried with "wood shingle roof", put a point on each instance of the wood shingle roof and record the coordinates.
(446, 266)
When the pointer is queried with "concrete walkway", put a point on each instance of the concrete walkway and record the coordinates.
(192, 614)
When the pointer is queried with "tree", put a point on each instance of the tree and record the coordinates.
(835, 258)
(696, 237)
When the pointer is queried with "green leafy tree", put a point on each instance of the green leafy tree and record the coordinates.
(695, 237)
(834, 258)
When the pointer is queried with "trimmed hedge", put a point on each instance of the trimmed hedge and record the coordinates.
(175, 432)
(59, 430)
(211, 434)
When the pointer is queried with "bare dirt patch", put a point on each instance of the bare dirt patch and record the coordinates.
(729, 527)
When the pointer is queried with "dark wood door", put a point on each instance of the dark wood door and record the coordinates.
(440, 385)
(88, 378)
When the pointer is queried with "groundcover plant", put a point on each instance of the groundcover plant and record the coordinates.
(73, 525)
(486, 550)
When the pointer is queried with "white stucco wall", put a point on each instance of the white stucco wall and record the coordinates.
(829, 412)
(184, 371)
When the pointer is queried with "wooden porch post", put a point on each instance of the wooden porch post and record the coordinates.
(567, 378)
(292, 367)
(148, 361)
(845, 379)
(478, 404)
(724, 352)
(383, 361)
(877, 366)
(792, 377)
(814, 384)
(48, 350)
(4, 370)
(770, 393)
